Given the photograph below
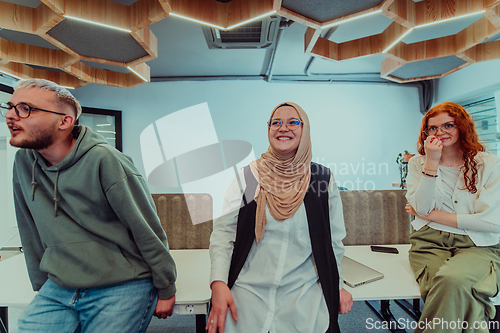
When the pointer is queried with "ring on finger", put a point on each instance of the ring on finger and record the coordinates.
(211, 321)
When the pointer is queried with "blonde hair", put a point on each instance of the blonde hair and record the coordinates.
(62, 94)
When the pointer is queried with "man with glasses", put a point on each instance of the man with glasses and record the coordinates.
(94, 247)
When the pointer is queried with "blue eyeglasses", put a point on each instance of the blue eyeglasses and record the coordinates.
(292, 124)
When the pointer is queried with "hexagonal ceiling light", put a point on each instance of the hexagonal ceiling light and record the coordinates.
(63, 38)
(415, 45)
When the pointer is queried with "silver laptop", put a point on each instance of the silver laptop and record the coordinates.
(356, 274)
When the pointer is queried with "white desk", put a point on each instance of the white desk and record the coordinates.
(15, 286)
(398, 281)
(193, 285)
(193, 275)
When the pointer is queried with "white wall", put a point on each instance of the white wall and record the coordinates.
(357, 129)
(472, 81)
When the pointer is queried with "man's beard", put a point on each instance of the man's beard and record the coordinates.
(42, 139)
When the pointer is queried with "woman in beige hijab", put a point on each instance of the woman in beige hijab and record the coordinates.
(276, 251)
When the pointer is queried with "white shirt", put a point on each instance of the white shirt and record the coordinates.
(449, 178)
(477, 214)
(278, 288)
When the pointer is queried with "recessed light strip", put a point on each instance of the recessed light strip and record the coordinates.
(139, 75)
(397, 40)
(96, 23)
(251, 20)
(197, 21)
(351, 19)
(11, 75)
(449, 19)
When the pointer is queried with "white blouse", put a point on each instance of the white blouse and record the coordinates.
(477, 213)
(278, 289)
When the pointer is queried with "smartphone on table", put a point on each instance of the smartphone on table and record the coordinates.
(384, 249)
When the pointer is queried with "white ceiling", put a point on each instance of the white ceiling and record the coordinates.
(183, 51)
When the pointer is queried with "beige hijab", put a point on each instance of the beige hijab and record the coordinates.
(283, 181)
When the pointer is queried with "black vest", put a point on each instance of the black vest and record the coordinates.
(318, 218)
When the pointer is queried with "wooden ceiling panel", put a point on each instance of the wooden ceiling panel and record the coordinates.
(240, 11)
(493, 15)
(57, 6)
(110, 78)
(23, 71)
(149, 43)
(484, 52)
(99, 11)
(283, 12)
(223, 15)
(326, 49)
(474, 34)
(50, 13)
(360, 47)
(402, 12)
(3, 62)
(310, 38)
(405, 14)
(143, 13)
(408, 15)
(429, 49)
(16, 17)
(209, 11)
(34, 55)
(491, 3)
(45, 19)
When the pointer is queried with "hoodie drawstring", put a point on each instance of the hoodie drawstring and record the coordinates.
(56, 200)
(33, 181)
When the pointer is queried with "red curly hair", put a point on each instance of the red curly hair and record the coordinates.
(468, 139)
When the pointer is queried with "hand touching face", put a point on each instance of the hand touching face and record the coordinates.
(433, 148)
(443, 134)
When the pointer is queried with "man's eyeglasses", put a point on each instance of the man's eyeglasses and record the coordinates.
(291, 124)
(447, 128)
(23, 110)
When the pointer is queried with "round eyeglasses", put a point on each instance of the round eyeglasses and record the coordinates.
(292, 124)
(447, 128)
(22, 110)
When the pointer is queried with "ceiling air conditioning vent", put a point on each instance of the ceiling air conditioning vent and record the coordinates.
(253, 35)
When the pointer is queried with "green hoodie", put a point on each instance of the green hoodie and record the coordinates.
(90, 220)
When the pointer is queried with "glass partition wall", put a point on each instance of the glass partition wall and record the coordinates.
(8, 226)
(108, 123)
(485, 115)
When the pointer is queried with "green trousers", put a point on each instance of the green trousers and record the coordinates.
(456, 279)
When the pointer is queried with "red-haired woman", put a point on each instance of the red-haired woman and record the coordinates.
(454, 193)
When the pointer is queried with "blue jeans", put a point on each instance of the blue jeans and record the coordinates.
(120, 308)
